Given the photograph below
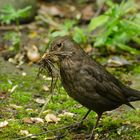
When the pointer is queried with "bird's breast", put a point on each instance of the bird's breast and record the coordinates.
(69, 71)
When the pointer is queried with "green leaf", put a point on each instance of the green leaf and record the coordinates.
(59, 33)
(136, 39)
(97, 21)
(100, 42)
(79, 35)
(14, 39)
(68, 25)
(127, 48)
(9, 14)
(131, 26)
(24, 12)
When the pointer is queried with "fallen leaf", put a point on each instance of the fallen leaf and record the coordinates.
(68, 114)
(37, 120)
(24, 132)
(24, 74)
(3, 124)
(40, 101)
(45, 88)
(33, 120)
(52, 10)
(15, 106)
(52, 118)
(33, 54)
(13, 89)
(87, 12)
(32, 110)
(47, 111)
(88, 49)
(116, 61)
(3, 94)
(27, 120)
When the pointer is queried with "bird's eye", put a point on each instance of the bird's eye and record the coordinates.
(59, 45)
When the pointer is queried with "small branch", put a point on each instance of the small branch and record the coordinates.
(47, 19)
(12, 27)
(49, 131)
(49, 97)
(46, 103)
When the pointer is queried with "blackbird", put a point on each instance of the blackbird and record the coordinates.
(86, 81)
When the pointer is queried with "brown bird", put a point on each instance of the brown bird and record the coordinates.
(86, 81)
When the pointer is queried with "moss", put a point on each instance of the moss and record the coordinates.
(11, 130)
(21, 97)
(124, 125)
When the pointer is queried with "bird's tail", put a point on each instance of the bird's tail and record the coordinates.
(132, 94)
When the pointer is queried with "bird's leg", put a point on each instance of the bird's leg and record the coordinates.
(84, 117)
(92, 135)
(78, 124)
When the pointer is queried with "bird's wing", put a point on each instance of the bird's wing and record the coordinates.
(104, 83)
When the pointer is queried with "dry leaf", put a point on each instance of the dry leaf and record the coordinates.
(3, 124)
(32, 110)
(87, 12)
(13, 89)
(24, 132)
(33, 120)
(40, 101)
(15, 106)
(3, 94)
(45, 88)
(68, 114)
(51, 118)
(37, 120)
(24, 74)
(27, 120)
(117, 61)
(47, 111)
(52, 10)
(33, 54)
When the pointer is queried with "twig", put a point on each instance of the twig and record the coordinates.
(13, 27)
(47, 19)
(49, 131)
(97, 13)
(50, 67)
(46, 102)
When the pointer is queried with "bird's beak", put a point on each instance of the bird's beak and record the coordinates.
(50, 56)
(54, 56)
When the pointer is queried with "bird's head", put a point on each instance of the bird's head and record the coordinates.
(61, 48)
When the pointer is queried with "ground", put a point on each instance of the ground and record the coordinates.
(23, 94)
(19, 105)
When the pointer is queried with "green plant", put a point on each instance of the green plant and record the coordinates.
(79, 35)
(114, 29)
(14, 39)
(118, 25)
(9, 14)
(64, 29)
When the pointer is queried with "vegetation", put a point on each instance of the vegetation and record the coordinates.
(114, 29)
(10, 14)
(112, 37)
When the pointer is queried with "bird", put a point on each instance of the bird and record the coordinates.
(86, 80)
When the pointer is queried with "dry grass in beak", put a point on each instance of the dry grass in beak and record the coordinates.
(47, 66)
